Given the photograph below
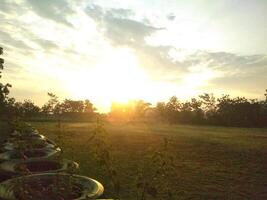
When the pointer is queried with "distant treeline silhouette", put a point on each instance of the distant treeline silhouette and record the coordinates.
(67, 110)
(206, 109)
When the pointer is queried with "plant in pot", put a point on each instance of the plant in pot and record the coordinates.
(56, 186)
(33, 154)
(22, 167)
(31, 143)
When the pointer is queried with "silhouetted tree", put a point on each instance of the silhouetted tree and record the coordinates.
(88, 107)
(208, 106)
(29, 109)
(49, 107)
(72, 106)
(197, 113)
(161, 111)
(173, 107)
(4, 88)
(140, 108)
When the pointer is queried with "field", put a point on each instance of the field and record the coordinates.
(208, 162)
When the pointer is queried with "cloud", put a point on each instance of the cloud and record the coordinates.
(171, 17)
(239, 74)
(45, 44)
(122, 30)
(121, 12)
(54, 10)
(8, 40)
(229, 62)
(11, 7)
(12, 42)
(118, 28)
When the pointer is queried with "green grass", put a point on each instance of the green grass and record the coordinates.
(210, 162)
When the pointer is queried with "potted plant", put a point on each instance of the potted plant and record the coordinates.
(33, 154)
(54, 186)
(22, 167)
(40, 143)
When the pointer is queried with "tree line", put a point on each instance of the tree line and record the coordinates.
(224, 111)
(206, 109)
(54, 109)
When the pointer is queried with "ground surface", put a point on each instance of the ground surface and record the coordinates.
(210, 162)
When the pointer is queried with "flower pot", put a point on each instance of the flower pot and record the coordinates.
(30, 154)
(28, 144)
(30, 132)
(26, 136)
(20, 167)
(54, 186)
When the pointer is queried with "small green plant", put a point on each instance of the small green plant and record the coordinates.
(103, 155)
(153, 175)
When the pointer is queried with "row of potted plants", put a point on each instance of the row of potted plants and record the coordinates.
(33, 169)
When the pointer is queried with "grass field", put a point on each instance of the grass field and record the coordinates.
(209, 162)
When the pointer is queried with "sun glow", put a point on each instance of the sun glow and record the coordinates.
(119, 78)
(116, 78)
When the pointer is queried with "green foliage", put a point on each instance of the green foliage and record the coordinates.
(67, 108)
(225, 111)
(4, 88)
(50, 106)
(154, 175)
(103, 155)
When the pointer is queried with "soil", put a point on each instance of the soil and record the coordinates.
(5, 176)
(28, 154)
(40, 166)
(56, 189)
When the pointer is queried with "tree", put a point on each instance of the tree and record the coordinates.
(161, 110)
(29, 109)
(72, 106)
(197, 112)
(173, 107)
(88, 107)
(208, 102)
(4, 88)
(209, 106)
(1, 60)
(49, 107)
(140, 108)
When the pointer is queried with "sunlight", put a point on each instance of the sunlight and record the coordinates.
(117, 77)
(194, 80)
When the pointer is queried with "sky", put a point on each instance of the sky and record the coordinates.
(119, 50)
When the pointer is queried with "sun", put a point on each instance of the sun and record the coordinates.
(116, 78)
